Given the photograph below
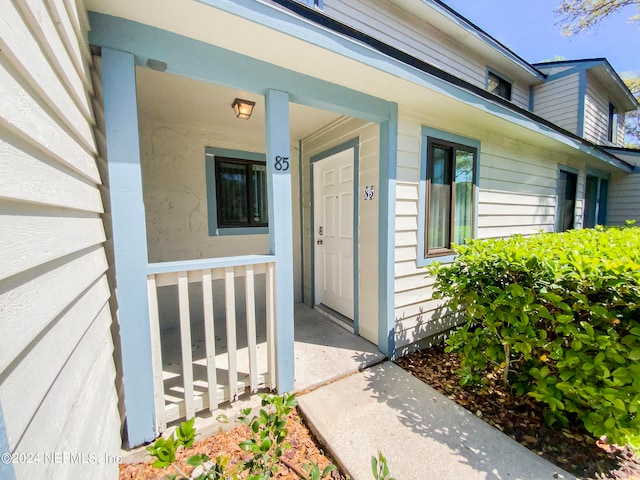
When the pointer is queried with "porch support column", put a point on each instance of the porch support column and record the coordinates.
(281, 230)
(386, 241)
(129, 241)
(6, 468)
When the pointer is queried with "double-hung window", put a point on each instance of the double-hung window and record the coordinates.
(450, 178)
(236, 192)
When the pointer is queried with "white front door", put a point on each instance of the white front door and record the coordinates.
(333, 231)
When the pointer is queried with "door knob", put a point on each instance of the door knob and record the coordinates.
(319, 242)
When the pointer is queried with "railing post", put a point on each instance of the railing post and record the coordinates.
(156, 354)
(210, 338)
(281, 230)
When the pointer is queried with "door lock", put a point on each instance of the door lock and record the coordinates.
(320, 231)
(319, 242)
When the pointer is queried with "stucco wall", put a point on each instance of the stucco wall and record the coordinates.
(175, 194)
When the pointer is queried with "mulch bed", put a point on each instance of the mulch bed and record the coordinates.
(571, 448)
(304, 450)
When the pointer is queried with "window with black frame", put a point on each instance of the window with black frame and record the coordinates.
(241, 193)
(499, 86)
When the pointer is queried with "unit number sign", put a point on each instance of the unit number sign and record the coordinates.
(369, 192)
(281, 164)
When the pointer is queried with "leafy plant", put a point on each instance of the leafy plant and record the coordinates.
(212, 471)
(558, 315)
(313, 471)
(164, 450)
(267, 445)
(380, 468)
(268, 433)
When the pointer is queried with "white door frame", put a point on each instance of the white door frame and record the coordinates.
(355, 145)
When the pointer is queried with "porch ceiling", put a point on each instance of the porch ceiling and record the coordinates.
(179, 100)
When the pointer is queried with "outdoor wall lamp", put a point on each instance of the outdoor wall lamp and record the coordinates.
(242, 108)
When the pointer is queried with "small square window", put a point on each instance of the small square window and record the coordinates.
(498, 86)
(241, 193)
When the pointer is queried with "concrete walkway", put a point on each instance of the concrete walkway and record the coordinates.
(423, 434)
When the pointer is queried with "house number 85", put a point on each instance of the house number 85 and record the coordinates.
(282, 164)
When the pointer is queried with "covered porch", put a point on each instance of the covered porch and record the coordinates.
(208, 311)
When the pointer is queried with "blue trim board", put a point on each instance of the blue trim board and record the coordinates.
(565, 73)
(355, 144)
(422, 191)
(203, 63)
(6, 468)
(210, 174)
(386, 232)
(281, 231)
(129, 241)
(532, 94)
(301, 218)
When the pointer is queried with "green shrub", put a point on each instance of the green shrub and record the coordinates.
(559, 315)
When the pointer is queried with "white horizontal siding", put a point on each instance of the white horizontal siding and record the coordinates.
(557, 101)
(623, 201)
(596, 112)
(57, 374)
(516, 195)
(392, 25)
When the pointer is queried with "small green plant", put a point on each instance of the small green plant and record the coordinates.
(267, 445)
(380, 468)
(268, 434)
(164, 449)
(210, 470)
(313, 471)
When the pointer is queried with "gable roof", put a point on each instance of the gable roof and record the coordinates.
(417, 7)
(338, 27)
(605, 73)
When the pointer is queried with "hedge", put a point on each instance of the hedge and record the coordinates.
(559, 315)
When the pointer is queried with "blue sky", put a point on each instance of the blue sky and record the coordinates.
(528, 28)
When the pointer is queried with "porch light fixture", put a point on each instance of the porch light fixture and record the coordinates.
(243, 108)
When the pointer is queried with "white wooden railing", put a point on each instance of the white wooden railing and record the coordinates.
(212, 390)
